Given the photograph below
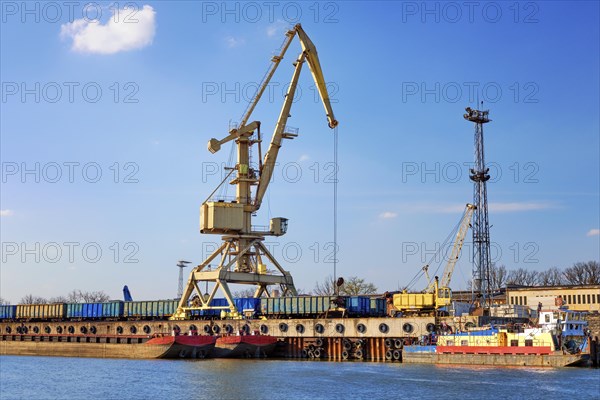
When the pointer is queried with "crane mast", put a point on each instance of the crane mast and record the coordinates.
(461, 233)
(242, 252)
(437, 294)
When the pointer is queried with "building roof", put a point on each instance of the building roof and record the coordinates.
(561, 287)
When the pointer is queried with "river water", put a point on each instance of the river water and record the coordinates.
(83, 378)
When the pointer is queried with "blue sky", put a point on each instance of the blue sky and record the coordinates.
(137, 102)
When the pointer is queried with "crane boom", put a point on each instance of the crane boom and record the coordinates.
(267, 78)
(309, 54)
(268, 164)
(315, 68)
(456, 248)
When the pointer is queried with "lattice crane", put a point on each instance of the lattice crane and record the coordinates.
(461, 233)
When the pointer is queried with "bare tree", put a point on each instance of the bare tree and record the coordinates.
(521, 276)
(58, 299)
(244, 293)
(31, 299)
(498, 275)
(95, 297)
(3, 301)
(74, 296)
(78, 296)
(551, 277)
(583, 273)
(352, 286)
(325, 288)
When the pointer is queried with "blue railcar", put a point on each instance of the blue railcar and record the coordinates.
(74, 310)
(169, 307)
(113, 309)
(85, 310)
(297, 305)
(358, 305)
(219, 302)
(247, 304)
(8, 311)
(91, 310)
(378, 307)
(149, 309)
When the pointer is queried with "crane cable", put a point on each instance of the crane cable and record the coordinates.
(419, 274)
(335, 194)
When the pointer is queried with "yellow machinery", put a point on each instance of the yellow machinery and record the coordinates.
(437, 294)
(242, 256)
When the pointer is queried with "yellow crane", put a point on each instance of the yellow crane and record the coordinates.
(437, 294)
(242, 252)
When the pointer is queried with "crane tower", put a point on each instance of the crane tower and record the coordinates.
(479, 174)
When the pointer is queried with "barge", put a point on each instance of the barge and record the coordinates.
(559, 340)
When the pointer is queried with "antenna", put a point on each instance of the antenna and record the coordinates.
(181, 264)
(481, 290)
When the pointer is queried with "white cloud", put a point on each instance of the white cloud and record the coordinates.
(388, 215)
(304, 157)
(234, 42)
(129, 32)
(6, 213)
(277, 28)
(593, 232)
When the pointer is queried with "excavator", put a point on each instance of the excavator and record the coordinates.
(243, 255)
(437, 294)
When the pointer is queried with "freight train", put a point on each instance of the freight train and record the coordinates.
(277, 307)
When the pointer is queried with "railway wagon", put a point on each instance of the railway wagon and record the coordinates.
(297, 305)
(41, 311)
(149, 309)
(378, 307)
(358, 305)
(84, 310)
(112, 310)
(247, 305)
(8, 312)
(212, 313)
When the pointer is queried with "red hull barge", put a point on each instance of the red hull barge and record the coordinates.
(184, 346)
(245, 346)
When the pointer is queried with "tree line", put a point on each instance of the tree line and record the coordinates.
(580, 273)
(75, 296)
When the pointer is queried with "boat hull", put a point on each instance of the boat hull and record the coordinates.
(245, 346)
(176, 347)
(494, 358)
(133, 350)
(128, 347)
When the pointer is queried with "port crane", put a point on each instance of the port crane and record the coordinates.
(242, 255)
(437, 294)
